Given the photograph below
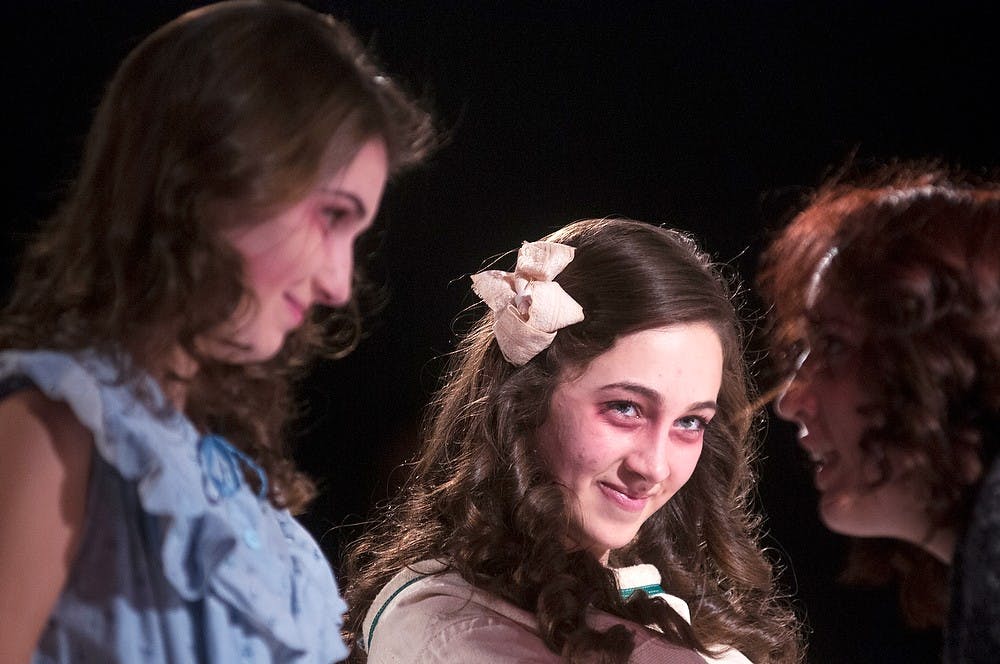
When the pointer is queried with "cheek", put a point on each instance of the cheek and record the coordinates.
(584, 461)
(838, 402)
(685, 461)
(283, 265)
(265, 277)
(846, 428)
(572, 453)
(848, 393)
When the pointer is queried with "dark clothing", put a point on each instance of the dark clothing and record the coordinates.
(972, 634)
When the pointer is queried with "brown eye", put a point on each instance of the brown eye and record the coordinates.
(335, 215)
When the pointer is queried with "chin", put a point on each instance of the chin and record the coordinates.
(264, 355)
(844, 523)
(610, 543)
(258, 351)
(829, 517)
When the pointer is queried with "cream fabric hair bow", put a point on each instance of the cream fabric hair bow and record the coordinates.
(528, 307)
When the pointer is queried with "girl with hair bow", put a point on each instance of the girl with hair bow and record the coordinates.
(582, 491)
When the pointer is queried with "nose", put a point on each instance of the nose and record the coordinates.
(650, 459)
(796, 400)
(333, 277)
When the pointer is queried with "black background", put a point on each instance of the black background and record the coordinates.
(711, 116)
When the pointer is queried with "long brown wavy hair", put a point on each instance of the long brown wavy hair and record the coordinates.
(918, 258)
(233, 110)
(480, 497)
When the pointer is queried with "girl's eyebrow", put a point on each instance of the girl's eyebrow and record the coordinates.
(655, 396)
(636, 388)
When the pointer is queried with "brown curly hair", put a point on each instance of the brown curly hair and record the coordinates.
(480, 497)
(235, 107)
(918, 256)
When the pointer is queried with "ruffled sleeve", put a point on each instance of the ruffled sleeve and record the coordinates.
(229, 547)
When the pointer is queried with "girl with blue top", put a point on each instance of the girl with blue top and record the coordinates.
(145, 492)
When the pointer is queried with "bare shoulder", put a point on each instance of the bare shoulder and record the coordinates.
(46, 456)
(44, 475)
(28, 416)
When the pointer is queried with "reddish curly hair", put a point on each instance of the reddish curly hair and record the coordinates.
(918, 257)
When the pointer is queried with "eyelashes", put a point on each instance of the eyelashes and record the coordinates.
(336, 215)
(626, 409)
(693, 422)
(631, 412)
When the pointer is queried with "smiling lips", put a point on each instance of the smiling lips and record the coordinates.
(630, 502)
(824, 461)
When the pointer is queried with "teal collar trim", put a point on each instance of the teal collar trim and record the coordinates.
(371, 630)
(652, 589)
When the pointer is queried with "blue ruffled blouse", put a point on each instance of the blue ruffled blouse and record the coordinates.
(180, 560)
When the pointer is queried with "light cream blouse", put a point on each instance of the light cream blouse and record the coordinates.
(426, 615)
